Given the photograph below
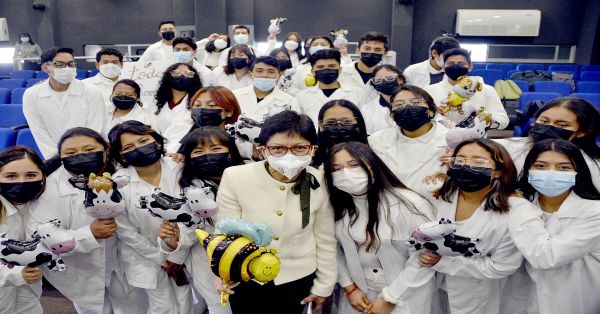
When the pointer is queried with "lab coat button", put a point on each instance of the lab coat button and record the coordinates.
(282, 188)
(279, 213)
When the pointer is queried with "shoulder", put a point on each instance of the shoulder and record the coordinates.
(382, 136)
(218, 70)
(242, 172)
(413, 68)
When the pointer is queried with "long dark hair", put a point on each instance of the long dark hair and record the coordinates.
(31, 42)
(299, 41)
(382, 180)
(133, 84)
(164, 94)
(132, 127)
(204, 136)
(325, 144)
(584, 186)
(55, 162)
(229, 69)
(502, 187)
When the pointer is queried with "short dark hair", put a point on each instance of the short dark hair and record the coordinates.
(241, 27)
(268, 60)
(185, 40)
(133, 127)
(374, 36)
(165, 22)
(51, 53)
(109, 52)
(291, 123)
(325, 54)
(443, 43)
(458, 52)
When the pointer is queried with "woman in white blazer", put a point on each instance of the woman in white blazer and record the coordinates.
(556, 229)
(93, 280)
(22, 180)
(375, 214)
(139, 150)
(125, 105)
(481, 177)
(289, 196)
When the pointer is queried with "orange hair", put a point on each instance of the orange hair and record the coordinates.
(223, 97)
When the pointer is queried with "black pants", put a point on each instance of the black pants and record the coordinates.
(251, 297)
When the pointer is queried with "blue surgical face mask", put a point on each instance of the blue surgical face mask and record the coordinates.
(182, 56)
(264, 84)
(552, 183)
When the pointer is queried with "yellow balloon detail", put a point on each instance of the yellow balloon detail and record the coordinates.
(310, 80)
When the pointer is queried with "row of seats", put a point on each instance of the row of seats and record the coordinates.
(490, 76)
(563, 88)
(11, 137)
(14, 96)
(536, 66)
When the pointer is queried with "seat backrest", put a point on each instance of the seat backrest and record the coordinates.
(8, 138)
(590, 68)
(590, 76)
(41, 74)
(532, 96)
(25, 138)
(12, 83)
(16, 97)
(523, 85)
(530, 67)
(489, 76)
(12, 115)
(565, 67)
(594, 98)
(23, 74)
(501, 66)
(588, 87)
(82, 74)
(4, 95)
(563, 88)
(34, 81)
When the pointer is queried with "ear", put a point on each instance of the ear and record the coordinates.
(357, 51)
(194, 53)
(45, 67)
(434, 54)
(497, 174)
(263, 151)
(97, 65)
(228, 114)
(470, 67)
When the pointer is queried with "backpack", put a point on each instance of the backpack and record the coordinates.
(524, 116)
(507, 89)
(531, 76)
(564, 77)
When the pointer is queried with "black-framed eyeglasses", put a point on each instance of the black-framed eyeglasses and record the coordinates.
(342, 121)
(298, 150)
(62, 65)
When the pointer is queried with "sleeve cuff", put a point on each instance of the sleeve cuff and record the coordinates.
(13, 277)
(442, 264)
(385, 294)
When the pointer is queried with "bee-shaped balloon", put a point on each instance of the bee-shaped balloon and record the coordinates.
(240, 254)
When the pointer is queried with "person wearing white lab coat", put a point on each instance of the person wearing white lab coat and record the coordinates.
(139, 149)
(286, 81)
(210, 49)
(458, 63)
(386, 78)
(125, 105)
(236, 73)
(109, 63)
(365, 192)
(185, 51)
(241, 36)
(61, 103)
(22, 180)
(430, 71)
(475, 196)
(412, 148)
(163, 49)
(179, 82)
(93, 280)
(557, 232)
(326, 69)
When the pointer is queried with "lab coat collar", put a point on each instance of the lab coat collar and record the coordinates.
(64, 187)
(9, 208)
(426, 138)
(165, 165)
(75, 88)
(105, 80)
(430, 69)
(568, 209)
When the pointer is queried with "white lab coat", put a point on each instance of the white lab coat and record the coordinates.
(16, 296)
(205, 58)
(312, 99)
(104, 85)
(302, 70)
(175, 133)
(206, 75)
(349, 75)
(377, 117)
(418, 74)
(474, 285)
(167, 117)
(50, 115)
(137, 113)
(412, 159)
(249, 106)
(486, 98)
(230, 80)
(225, 53)
(157, 51)
(562, 254)
(393, 253)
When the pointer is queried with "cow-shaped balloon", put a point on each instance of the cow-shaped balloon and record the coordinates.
(340, 35)
(195, 204)
(102, 197)
(201, 201)
(55, 237)
(439, 237)
(275, 25)
(475, 125)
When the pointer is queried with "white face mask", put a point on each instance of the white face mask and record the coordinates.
(64, 75)
(110, 70)
(241, 39)
(290, 45)
(351, 180)
(220, 43)
(24, 39)
(440, 62)
(289, 164)
(314, 49)
(182, 56)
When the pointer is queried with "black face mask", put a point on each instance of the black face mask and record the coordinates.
(284, 64)
(21, 192)
(386, 88)
(327, 76)
(207, 117)
(211, 165)
(180, 83)
(469, 180)
(541, 132)
(124, 102)
(143, 156)
(411, 118)
(168, 35)
(239, 63)
(455, 71)
(84, 163)
(370, 59)
(341, 133)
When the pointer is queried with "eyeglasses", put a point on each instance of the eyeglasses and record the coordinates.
(62, 65)
(476, 164)
(298, 150)
(389, 78)
(400, 104)
(342, 121)
(177, 73)
(348, 165)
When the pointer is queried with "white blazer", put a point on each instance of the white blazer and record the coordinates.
(393, 253)
(312, 99)
(474, 285)
(562, 254)
(50, 115)
(418, 74)
(230, 80)
(246, 97)
(249, 192)
(376, 116)
(167, 117)
(91, 263)
(157, 51)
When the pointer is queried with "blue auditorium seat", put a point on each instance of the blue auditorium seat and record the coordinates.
(25, 138)
(594, 98)
(504, 67)
(523, 85)
(41, 75)
(590, 76)
(563, 88)
(489, 76)
(528, 97)
(588, 87)
(590, 68)
(531, 67)
(566, 68)
(8, 138)
(4, 96)
(12, 83)
(82, 74)
(12, 115)
(23, 74)
(34, 81)
(16, 96)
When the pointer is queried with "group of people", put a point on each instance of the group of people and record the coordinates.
(351, 157)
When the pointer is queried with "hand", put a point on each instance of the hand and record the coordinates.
(103, 228)
(445, 157)
(381, 306)
(358, 299)
(429, 259)
(31, 275)
(221, 287)
(343, 50)
(213, 36)
(178, 158)
(435, 178)
(272, 36)
(319, 300)
(170, 233)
